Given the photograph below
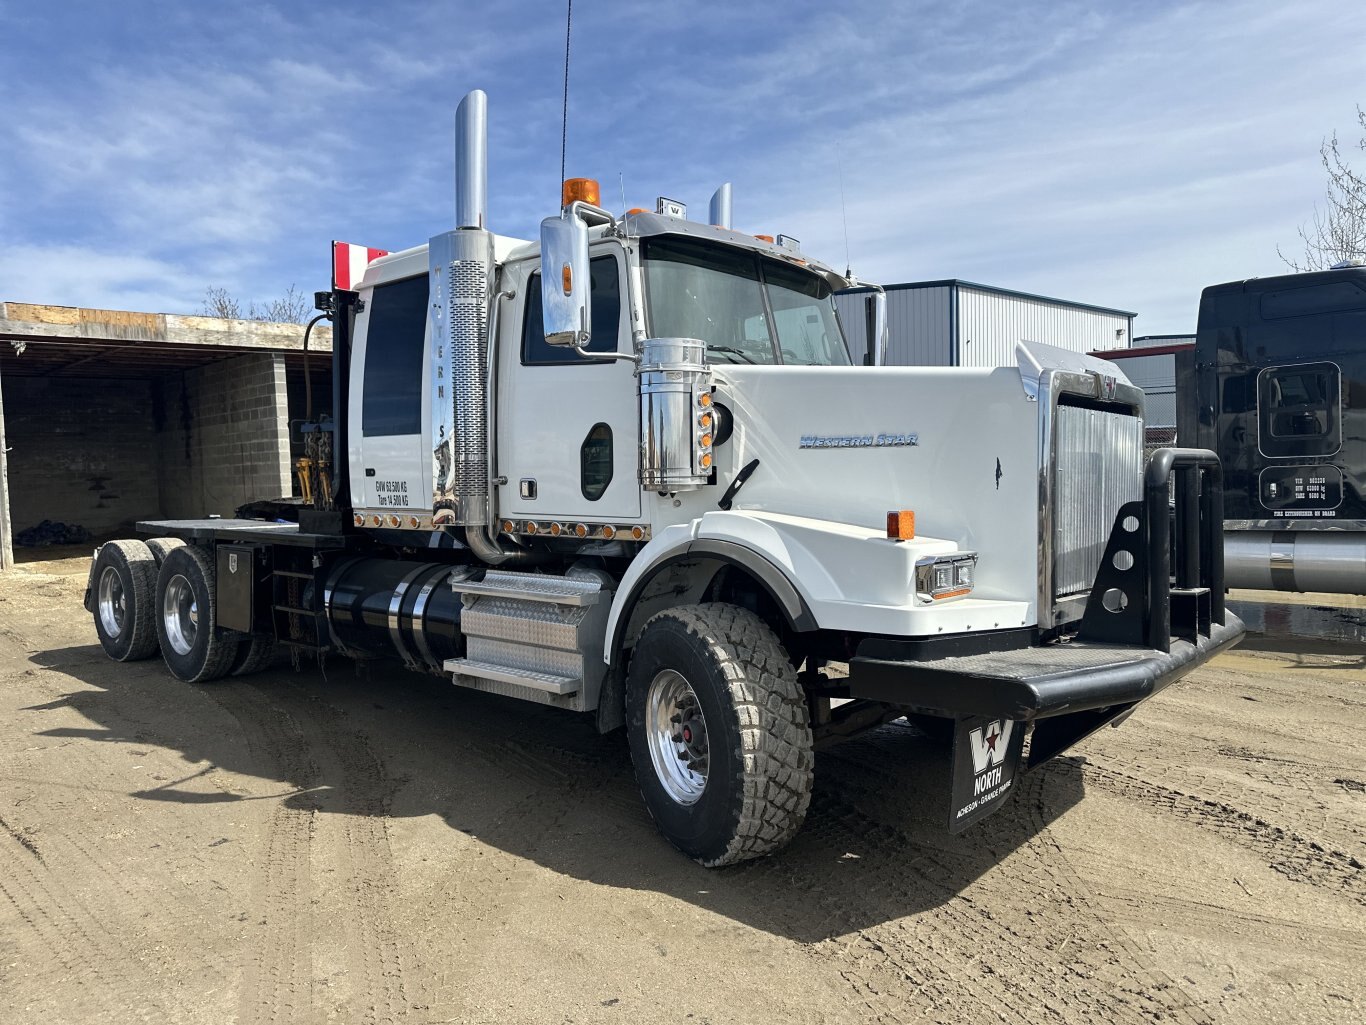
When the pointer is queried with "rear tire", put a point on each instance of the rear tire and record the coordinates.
(720, 734)
(124, 600)
(160, 547)
(253, 655)
(194, 648)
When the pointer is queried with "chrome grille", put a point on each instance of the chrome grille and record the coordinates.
(1099, 467)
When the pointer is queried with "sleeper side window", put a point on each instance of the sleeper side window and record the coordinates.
(392, 403)
(605, 298)
(1300, 410)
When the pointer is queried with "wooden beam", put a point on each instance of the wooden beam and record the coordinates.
(6, 537)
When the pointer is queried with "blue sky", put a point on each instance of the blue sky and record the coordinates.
(1123, 154)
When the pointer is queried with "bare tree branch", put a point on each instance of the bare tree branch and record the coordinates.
(1338, 231)
(291, 308)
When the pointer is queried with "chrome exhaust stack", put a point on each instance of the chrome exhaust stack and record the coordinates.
(461, 272)
(720, 206)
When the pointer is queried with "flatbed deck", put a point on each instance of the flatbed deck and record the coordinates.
(215, 529)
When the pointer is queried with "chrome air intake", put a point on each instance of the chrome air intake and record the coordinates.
(461, 273)
(676, 418)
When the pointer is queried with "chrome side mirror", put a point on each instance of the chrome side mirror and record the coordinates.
(565, 283)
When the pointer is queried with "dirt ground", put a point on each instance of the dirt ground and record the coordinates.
(315, 847)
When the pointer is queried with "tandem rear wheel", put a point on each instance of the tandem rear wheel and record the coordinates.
(719, 733)
(195, 649)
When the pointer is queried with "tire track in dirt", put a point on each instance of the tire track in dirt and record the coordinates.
(77, 940)
(1293, 855)
(277, 977)
(357, 777)
(948, 948)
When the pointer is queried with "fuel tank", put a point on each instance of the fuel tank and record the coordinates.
(380, 608)
(1329, 561)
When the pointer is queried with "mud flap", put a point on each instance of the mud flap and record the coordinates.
(986, 762)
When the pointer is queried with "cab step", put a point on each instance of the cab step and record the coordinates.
(533, 636)
(547, 682)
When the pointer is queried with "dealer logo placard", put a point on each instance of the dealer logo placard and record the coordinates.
(986, 757)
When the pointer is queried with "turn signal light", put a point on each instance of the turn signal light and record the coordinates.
(567, 279)
(583, 190)
(901, 524)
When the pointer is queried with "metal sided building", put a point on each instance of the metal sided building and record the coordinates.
(1154, 363)
(962, 323)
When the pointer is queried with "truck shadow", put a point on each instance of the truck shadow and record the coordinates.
(545, 786)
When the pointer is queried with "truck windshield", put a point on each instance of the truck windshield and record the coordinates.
(747, 309)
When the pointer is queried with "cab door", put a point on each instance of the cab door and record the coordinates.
(567, 426)
(390, 456)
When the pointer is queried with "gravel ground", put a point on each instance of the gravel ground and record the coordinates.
(320, 847)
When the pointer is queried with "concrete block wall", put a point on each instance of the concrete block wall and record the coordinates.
(223, 436)
(82, 451)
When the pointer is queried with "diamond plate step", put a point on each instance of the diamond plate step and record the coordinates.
(533, 587)
(547, 682)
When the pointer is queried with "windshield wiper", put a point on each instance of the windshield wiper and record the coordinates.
(734, 352)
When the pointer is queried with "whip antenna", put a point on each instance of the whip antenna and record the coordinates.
(844, 216)
(564, 123)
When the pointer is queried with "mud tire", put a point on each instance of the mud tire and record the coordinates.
(759, 777)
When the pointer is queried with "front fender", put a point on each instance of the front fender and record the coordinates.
(825, 575)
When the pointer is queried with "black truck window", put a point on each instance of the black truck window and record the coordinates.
(605, 297)
(1300, 410)
(393, 358)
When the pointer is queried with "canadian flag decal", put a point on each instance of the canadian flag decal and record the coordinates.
(989, 744)
(349, 262)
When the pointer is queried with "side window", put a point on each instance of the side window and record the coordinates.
(1300, 410)
(392, 403)
(595, 462)
(605, 296)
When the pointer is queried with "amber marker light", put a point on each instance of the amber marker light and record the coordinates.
(556, 529)
(953, 594)
(374, 521)
(393, 521)
(636, 210)
(412, 522)
(609, 532)
(580, 530)
(360, 520)
(704, 420)
(901, 524)
(704, 400)
(705, 460)
(637, 533)
(764, 238)
(532, 526)
(581, 190)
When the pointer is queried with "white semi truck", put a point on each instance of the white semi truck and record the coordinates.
(629, 472)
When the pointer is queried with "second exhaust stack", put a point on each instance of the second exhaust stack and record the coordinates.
(472, 161)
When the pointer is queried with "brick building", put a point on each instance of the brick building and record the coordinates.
(109, 417)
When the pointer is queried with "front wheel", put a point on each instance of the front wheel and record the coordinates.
(719, 732)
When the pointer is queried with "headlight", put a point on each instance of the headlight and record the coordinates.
(944, 576)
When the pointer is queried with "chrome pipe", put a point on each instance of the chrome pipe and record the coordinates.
(720, 206)
(472, 161)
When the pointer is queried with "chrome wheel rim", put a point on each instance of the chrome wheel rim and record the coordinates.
(180, 614)
(677, 734)
(112, 602)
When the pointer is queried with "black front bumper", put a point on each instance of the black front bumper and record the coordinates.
(1032, 683)
(1154, 613)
